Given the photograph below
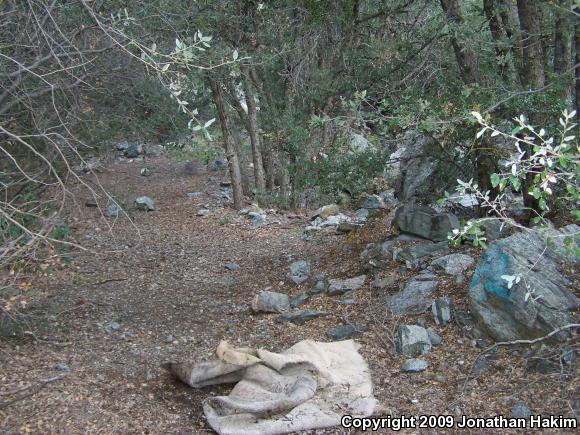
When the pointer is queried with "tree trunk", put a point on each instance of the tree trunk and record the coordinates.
(253, 131)
(533, 54)
(563, 46)
(511, 24)
(231, 155)
(498, 35)
(577, 64)
(465, 57)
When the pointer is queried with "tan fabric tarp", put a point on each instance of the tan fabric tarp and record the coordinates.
(311, 385)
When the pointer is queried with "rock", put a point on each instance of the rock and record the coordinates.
(373, 202)
(434, 338)
(520, 410)
(452, 264)
(415, 298)
(495, 231)
(414, 365)
(122, 146)
(302, 316)
(325, 212)
(345, 332)
(362, 214)
(169, 339)
(416, 168)
(389, 199)
(299, 271)
(318, 288)
(508, 314)
(299, 299)
(113, 326)
(569, 356)
(232, 266)
(91, 202)
(217, 165)
(89, 165)
(113, 210)
(358, 142)
(341, 286)
(544, 366)
(385, 283)
(225, 183)
(133, 151)
(418, 251)
(425, 222)
(441, 309)
(270, 302)
(153, 150)
(61, 367)
(481, 365)
(258, 219)
(145, 172)
(254, 208)
(194, 194)
(144, 203)
(413, 340)
(202, 212)
(442, 379)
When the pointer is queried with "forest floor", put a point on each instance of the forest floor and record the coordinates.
(154, 289)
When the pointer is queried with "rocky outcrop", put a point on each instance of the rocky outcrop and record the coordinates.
(518, 290)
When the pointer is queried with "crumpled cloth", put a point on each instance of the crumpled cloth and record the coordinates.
(311, 385)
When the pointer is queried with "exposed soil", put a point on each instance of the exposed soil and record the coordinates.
(163, 275)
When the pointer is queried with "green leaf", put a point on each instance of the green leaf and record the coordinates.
(494, 180)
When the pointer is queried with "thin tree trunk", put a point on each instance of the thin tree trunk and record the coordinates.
(511, 24)
(253, 131)
(464, 56)
(498, 35)
(577, 68)
(533, 59)
(231, 155)
(563, 45)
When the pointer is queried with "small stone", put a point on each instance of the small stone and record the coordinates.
(318, 288)
(133, 151)
(258, 219)
(414, 365)
(270, 302)
(202, 212)
(145, 172)
(440, 378)
(113, 326)
(345, 331)
(144, 203)
(169, 339)
(347, 227)
(413, 340)
(362, 214)
(91, 202)
(302, 316)
(194, 194)
(100, 377)
(113, 211)
(342, 286)
(441, 309)
(299, 299)
(299, 271)
(325, 212)
(481, 365)
(434, 338)
(61, 367)
(521, 410)
(232, 266)
(452, 264)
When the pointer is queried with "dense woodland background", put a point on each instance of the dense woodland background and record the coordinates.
(295, 87)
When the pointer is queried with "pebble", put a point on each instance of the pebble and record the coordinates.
(61, 367)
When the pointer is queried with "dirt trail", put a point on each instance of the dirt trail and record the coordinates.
(108, 317)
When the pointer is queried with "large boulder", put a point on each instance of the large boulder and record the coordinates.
(537, 303)
(425, 222)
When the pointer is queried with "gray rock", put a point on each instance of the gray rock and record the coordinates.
(441, 309)
(358, 142)
(342, 286)
(318, 288)
(133, 151)
(145, 172)
(417, 167)
(302, 316)
(232, 266)
(270, 302)
(194, 194)
(217, 165)
(299, 271)
(202, 212)
(345, 332)
(510, 313)
(425, 222)
(347, 227)
(258, 219)
(299, 299)
(418, 251)
(389, 199)
(385, 283)
(362, 214)
(113, 210)
(373, 202)
(153, 150)
(415, 298)
(113, 326)
(413, 340)
(144, 203)
(169, 339)
(122, 146)
(521, 410)
(434, 338)
(481, 365)
(414, 365)
(61, 367)
(495, 231)
(452, 264)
